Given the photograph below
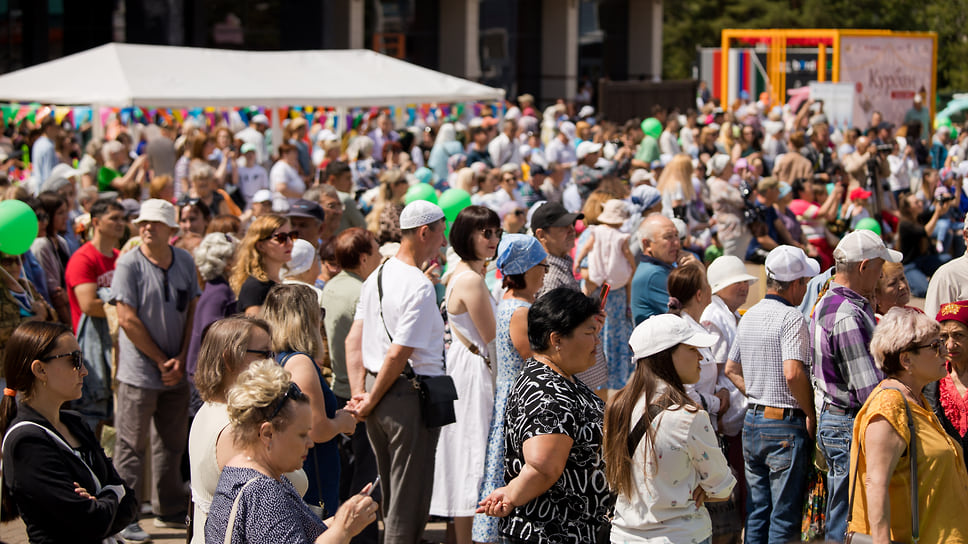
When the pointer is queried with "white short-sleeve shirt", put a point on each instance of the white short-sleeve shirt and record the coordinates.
(411, 315)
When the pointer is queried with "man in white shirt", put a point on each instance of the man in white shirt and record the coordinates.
(504, 148)
(949, 283)
(255, 134)
(252, 176)
(397, 322)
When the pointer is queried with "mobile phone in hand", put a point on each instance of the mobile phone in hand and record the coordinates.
(373, 486)
(603, 294)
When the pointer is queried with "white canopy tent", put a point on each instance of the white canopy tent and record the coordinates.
(122, 75)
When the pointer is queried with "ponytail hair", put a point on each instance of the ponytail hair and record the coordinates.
(649, 372)
(675, 307)
(29, 342)
(684, 283)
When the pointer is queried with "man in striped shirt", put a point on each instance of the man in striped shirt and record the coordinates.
(844, 371)
(770, 362)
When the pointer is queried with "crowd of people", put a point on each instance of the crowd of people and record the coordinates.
(298, 340)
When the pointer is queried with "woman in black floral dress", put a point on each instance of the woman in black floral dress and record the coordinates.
(556, 489)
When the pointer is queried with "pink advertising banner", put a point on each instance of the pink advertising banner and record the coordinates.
(886, 72)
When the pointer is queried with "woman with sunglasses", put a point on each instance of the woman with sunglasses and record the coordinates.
(230, 346)
(907, 347)
(459, 467)
(294, 317)
(254, 501)
(55, 474)
(266, 247)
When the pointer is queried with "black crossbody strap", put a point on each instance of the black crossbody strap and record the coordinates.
(913, 460)
(641, 427)
(407, 369)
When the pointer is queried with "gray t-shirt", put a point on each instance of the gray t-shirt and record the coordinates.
(161, 299)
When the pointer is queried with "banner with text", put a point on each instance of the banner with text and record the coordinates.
(886, 72)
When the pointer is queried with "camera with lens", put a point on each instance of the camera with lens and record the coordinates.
(945, 198)
(751, 212)
(884, 148)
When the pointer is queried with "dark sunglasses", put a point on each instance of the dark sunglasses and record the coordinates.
(546, 266)
(488, 233)
(519, 212)
(937, 346)
(265, 353)
(77, 358)
(293, 393)
(42, 216)
(282, 237)
(7, 260)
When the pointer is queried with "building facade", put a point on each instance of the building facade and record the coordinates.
(548, 48)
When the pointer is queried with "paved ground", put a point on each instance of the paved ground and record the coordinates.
(14, 533)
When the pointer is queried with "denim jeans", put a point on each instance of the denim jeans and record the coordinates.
(834, 434)
(777, 454)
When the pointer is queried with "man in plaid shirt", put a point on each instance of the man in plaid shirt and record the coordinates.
(843, 367)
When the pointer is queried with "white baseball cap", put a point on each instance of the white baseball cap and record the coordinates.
(788, 263)
(726, 271)
(586, 148)
(262, 195)
(158, 210)
(862, 245)
(663, 331)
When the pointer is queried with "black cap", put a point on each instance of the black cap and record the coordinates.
(538, 170)
(552, 214)
(307, 208)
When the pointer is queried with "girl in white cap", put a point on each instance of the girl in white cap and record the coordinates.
(662, 458)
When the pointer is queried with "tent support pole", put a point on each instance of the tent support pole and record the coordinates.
(97, 127)
(340, 121)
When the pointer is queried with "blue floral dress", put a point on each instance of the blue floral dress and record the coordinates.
(509, 363)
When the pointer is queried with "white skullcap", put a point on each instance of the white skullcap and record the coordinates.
(419, 213)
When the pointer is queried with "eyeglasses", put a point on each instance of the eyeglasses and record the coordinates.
(333, 206)
(489, 233)
(265, 353)
(282, 237)
(77, 358)
(42, 216)
(519, 212)
(9, 260)
(546, 266)
(937, 346)
(293, 393)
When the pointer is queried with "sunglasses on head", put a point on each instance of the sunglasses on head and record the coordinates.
(77, 358)
(265, 353)
(282, 237)
(293, 393)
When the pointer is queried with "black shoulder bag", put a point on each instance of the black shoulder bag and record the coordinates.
(853, 537)
(437, 393)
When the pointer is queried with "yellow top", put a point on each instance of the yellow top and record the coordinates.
(942, 478)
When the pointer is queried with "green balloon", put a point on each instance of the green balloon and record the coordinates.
(652, 127)
(869, 223)
(18, 227)
(420, 191)
(452, 201)
(942, 122)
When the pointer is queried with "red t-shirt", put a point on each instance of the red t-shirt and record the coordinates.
(87, 265)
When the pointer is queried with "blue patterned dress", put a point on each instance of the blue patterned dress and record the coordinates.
(615, 338)
(509, 363)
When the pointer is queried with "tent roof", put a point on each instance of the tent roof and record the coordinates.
(122, 75)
